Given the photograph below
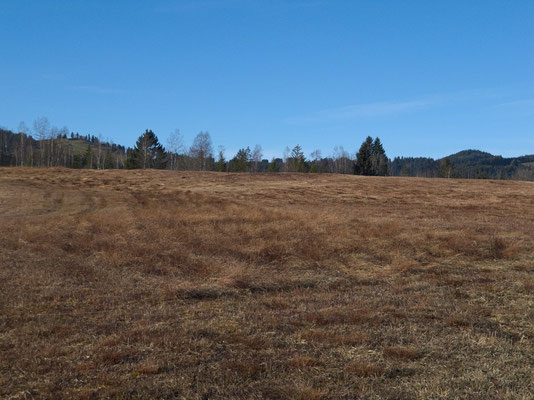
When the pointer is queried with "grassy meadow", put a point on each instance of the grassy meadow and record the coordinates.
(190, 285)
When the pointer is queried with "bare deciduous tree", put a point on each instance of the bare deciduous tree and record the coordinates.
(286, 158)
(175, 145)
(315, 156)
(41, 126)
(99, 153)
(53, 136)
(202, 150)
(257, 154)
(342, 161)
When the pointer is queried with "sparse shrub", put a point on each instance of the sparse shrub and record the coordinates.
(499, 248)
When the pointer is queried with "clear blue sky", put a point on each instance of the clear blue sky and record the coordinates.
(428, 77)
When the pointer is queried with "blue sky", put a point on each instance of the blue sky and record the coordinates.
(428, 77)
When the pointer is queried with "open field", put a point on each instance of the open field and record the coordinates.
(159, 284)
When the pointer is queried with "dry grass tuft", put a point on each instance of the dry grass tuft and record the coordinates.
(364, 370)
(402, 353)
(149, 369)
(334, 315)
(501, 248)
(334, 338)
(288, 392)
(302, 362)
(245, 369)
(457, 320)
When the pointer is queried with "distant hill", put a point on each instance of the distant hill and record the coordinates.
(62, 149)
(466, 164)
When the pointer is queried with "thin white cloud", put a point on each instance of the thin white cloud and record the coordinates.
(366, 110)
(523, 107)
(483, 97)
(518, 103)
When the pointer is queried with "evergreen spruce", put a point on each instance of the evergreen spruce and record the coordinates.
(220, 165)
(272, 166)
(241, 160)
(379, 160)
(364, 163)
(148, 153)
(297, 159)
(371, 159)
(445, 169)
(88, 157)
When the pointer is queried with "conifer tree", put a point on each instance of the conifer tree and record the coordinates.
(445, 168)
(297, 159)
(272, 166)
(379, 159)
(220, 165)
(241, 160)
(363, 164)
(148, 152)
(371, 158)
(88, 157)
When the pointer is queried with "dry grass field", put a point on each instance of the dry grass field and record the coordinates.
(184, 285)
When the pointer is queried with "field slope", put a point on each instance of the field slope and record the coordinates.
(187, 285)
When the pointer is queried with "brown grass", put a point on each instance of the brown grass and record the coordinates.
(158, 284)
(365, 370)
(402, 353)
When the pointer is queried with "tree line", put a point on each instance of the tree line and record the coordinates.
(150, 153)
(45, 145)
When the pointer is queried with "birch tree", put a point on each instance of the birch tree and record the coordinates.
(175, 146)
(201, 150)
(41, 126)
(257, 155)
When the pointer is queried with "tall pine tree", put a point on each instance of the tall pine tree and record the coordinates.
(241, 160)
(148, 153)
(297, 159)
(379, 159)
(220, 165)
(371, 158)
(364, 164)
